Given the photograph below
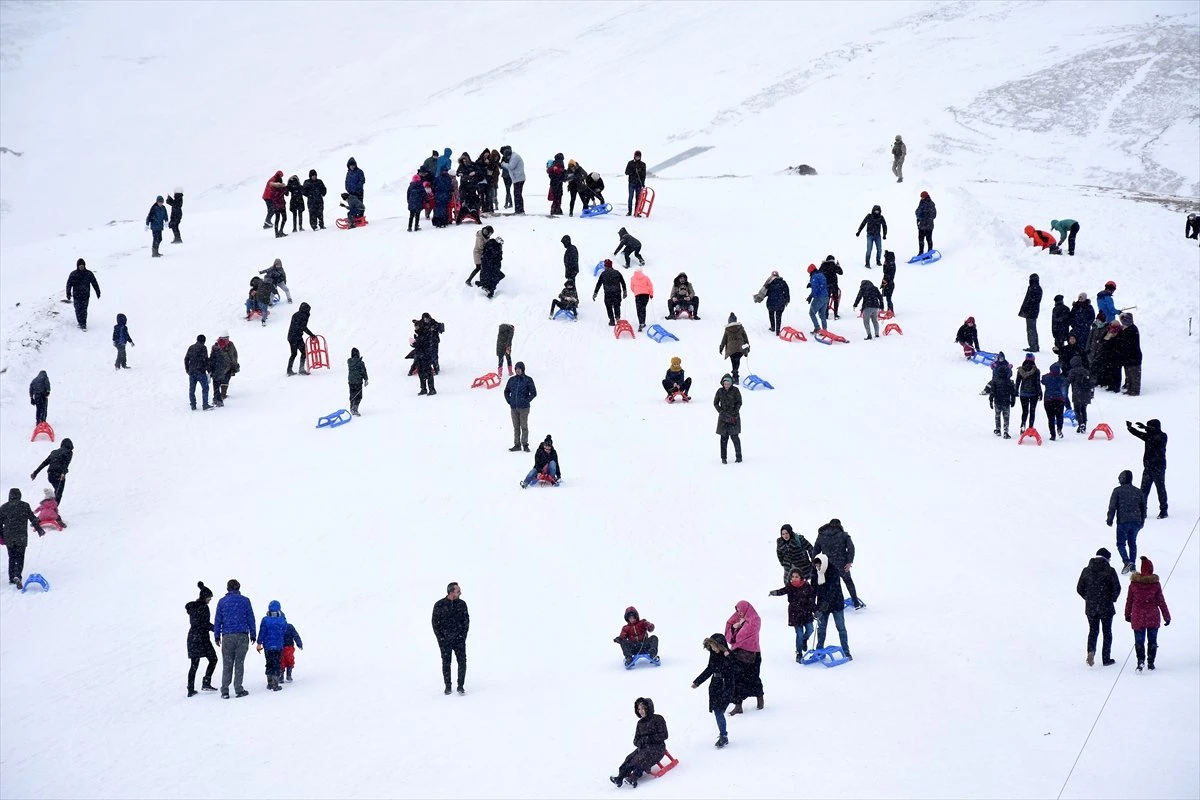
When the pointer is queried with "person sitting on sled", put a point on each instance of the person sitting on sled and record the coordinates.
(47, 512)
(635, 637)
(676, 381)
(354, 208)
(545, 465)
(567, 300)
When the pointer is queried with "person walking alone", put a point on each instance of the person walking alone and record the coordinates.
(519, 393)
(80, 283)
(15, 518)
(899, 153)
(451, 621)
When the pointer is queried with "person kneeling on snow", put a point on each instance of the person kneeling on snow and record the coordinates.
(545, 465)
(676, 381)
(567, 300)
(355, 210)
(635, 638)
(1040, 238)
(47, 511)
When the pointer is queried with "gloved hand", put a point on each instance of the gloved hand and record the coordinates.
(365, 383)
(617, 640)
(857, 234)
(1109, 523)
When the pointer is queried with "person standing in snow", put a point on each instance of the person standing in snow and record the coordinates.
(1082, 386)
(451, 622)
(156, 218)
(277, 278)
(415, 196)
(519, 393)
(80, 283)
(570, 259)
(1028, 383)
(576, 178)
(1060, 321)
(613, 284)
(233, 622)
(872, 304)
(835, 542)
(818, 299)
(629, 246)
(830, 602)
(794, 552)
(643, 293)
(1067, 230)
(650, 739)
(504, 340)
(875, 225)
(635, 637)
(356, 179)
(57, 465)
(356, 377)
(1055, 399)
(1129, 354)
(546, 466)
(490, 272)
(1105, 303)
(926, 214)
(1127, 505)
(198, 644)
(556, 170)
(635, 171)
(677, 381)
(1143, 602)
(515, 165)
(889, 278)
(481, 237)
(314, 192)
(1154, 460)
(121, 338)
(270, 639)
(297, 329)
(424, 353)
(1100, 588)
(735, 344)
(222, 365)
(802, 604)
(728, 403)
(830, 268)
(39, 396)
(1082, 316)
(721, 673)
(275, 197)
(175, 201)
(1191, 227)
(777, 294)
(741, 631)
(291, 641)
(195, 364)
(1002, 395)
(296, 204)
(899, 153)
(15, 518)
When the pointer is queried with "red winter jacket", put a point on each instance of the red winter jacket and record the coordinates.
(637, 630)
(275, 191)
(1040, 238)
(1145, 598)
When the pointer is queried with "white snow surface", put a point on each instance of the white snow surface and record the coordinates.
(968, 678)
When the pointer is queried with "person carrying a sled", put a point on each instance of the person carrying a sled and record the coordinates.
(968, 337)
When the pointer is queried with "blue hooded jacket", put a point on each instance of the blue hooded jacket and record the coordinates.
(443, 162)
(443, 189)
(1104, 302)
(272, 627)
(234, 615)
(820, 290)
(1055, 383)
(356, 179)
(157, 217)
(291, 637)
(121, 332)
(416, 195)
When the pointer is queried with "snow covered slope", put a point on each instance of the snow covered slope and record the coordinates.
(968, 678)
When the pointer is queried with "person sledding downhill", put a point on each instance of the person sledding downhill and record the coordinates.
(546, 467)
(650, 739)
(676, 382)
(683, 298)
(355, 210)
(636, 637)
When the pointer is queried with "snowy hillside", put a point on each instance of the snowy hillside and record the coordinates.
(968, 677)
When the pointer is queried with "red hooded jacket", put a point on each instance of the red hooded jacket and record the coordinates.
(273, 194)
(637, 630)
(1040, 238)
(1145, 598)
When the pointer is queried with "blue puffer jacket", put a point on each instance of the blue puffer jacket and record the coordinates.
(818, 287)
(443, 189)
(273, 627)
(157, 217)
(291, 637)
(1055, 383)
(234, 615)
(778, 294)
(443, 162)
(520, 391)
(416, 196)
(356, 180)
(1104, 302)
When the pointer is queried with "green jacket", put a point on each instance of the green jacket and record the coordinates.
(356, 369)
(1062, 227)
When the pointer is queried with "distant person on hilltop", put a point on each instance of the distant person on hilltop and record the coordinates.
(899, 152)
(175, 201)
(356, 179)
(314, 192)
(635, 170)
(156, 220)
(926, 214)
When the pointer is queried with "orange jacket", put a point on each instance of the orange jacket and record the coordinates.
(640, 284)
(1040, 238)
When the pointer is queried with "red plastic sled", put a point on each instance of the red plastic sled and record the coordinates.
(828, 337)
(1032, 434)
(790, 334)
(673, 396)
(1101, 428)
(318, 354)
(667, 763)
(344, 223)
(488, 381)
(892, 327)
(645, 202)
(44, 428)
(623, 326)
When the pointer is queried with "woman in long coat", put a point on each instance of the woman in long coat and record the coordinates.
(199, 643)
(728, 403)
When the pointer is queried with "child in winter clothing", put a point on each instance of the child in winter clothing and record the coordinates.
(889, 277)
(296, 204)
(643, 293)
(635, 637)
(356, 376)
(1143, 602)
(270, 638)
(1029, 388)
(1082, 386)
(504, 340)
(416, 201)
(291, 641)
(545, 465)
(802, 605)
(355, 210)
(628, 246)
(277, 277)
(722, 673)
(1040, 238)
(1055, 399)
(968, 337)
(567, 300)
(1002, 396)
(676, 381)
(121, 338)
(818, 299)
(47, 511)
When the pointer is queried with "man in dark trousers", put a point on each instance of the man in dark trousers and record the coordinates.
(156, 220)
(295, 336)
(629, 246)
(875, 225)
(80, 283)
(613, 284)
(195, 364)
(450, 624)
(838, 547)
(39, 396)
(57, 465)
(1099, 587)
(570, 259)
(1154, 460)
(635, 170)
(830, 268)
(314, 193)
(15, 518)
(175, 201)
(356, 179)
(1031, 306)
(235, 624)
(1127, 505)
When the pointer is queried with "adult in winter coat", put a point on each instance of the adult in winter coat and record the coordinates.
(830, 602)
(276, 276)
(80, 283)
(794, 552)
(274, 196)
(1107, 359)
(734, 344)
(443, 193)
(872, 304)
(39, 396)
(830, 268)
(802, 604)
(314, 192)
(570, 259)
(1154, 460)
(295, 192)
(635, 171)
(445, 162)
(595, 184)
(888, 286)
(1082, 386)
(818, 299)
(728, 403)
(271, 632)
(576, 178)
(835, 542)
(198, 644)
(778, 295)
(683, 298)
(416, 201)
(968, 336)
(195, 364)
(1060, 321)
(481, 237)
(1129, 355)
(875, 225)
(643, 293)
(926, 214)
(1028, 382)
(676, 381)
(1127, 506)
(556, 170)
(721, 674)
(121, 338)
(1105, 303)
(613, 284)
(1099, 587)
(1031, 306)
(515, 165)
(899, 153)
(297, 330)
(1054, 399)
(451, 621)
(156, 220)
(356, 378)
(650, 739)
(1191, 227)
(1002, 395)
(15, 518)
(424, 352)
(233, 631)
(1067, 351)
(175, 201)
(1067, 230)
(1143, 602)
(567, 300)
(1082, 316)
(741, 631)
(636, 637)
(223, 364)
(629, 246)
(519, 393)
(356, 179)
(57, 465)
(546, 465)
(490, 273)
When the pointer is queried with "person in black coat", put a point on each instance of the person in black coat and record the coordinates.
(175, 201)
(833, 540)
(1082, 316)
(830, 268)
(1100, 587)
(830, 602)
(926, 214)
(570, 259)
(615, 291)
(80, 283)
(490, 273)
(888, 284)
(424, 353)
(968, 334)
(314, 193)
(1154, 460)
(650, 739)
(195, 364)
(1002, 394)
(451, 621)
(545, 464)
(15, 518)
(1060, 321)
(875, 225)
(629, 246)
(1031, 306)
(199, 643)
(57, 465)
(635, 171)
(802, 604)
(39, 396)
(1129, 354)
(721, 673)
(297, 329)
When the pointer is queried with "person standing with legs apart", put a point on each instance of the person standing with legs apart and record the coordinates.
(926, 214)
(872, 303)
(899, 153)
(1100, 588)
(1127, 505)
(297, 329)
(519, 393)
(635, 171)
(830, 602)
(735, 344)
(516, 171)
(198, 644)
(875, 225)
(802, 604)
(175, 201)
(628, 246)
(57, 465)
(80, 283)
(1002, 395)
(1082, 387)
(831, 269)
(1031, 306)
(1143, 602)
(314, 192)
(728, 403)
(834, 542)
(356, 377)
(1154, 460)
(1028, 384)
(778, 295)
(613, 283)
(451, 621)
(1067, 230)
(741, 631)
(39, 396)
(233, 622)
(156, 219)
(15, 518)
(1054, 399)
(721, 674)
(195, 364)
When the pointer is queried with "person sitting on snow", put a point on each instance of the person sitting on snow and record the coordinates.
(635, 638)
(676, 381)
(545, 465)
(47, 511)
(968, 336)
(355, 210)
(567, 300)
(1040, 238)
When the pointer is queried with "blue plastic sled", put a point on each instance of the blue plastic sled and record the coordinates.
(654, 661)
(335, 420)
(275, 299)
(39, 580)
(659, 334)
(849, 604)
(565, 313)
(1069, 415)
(926, 258)
(596, 210)
(753, 383)
(598, 269)
(983, 357)
(831, 656)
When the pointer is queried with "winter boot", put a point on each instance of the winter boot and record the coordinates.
(303, 371)
(1006, 436)
(997, 431)
(737, 709)
(271, 682)
(510, 372)
(462, 690)
(1151, 652)
(525, 448)
(208, 687)
(799, 656)
(432, 391)
(760, 702)
(1140, 652)
(722, 740)
(1091, 657)
(1162, 514)
(424, 390)
(241, 693)
(1128, 568)
(192, 692)
(289, 675)
(616, 779)
(1108, 662)
(225, 694)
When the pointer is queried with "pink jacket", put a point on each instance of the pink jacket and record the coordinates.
(746, 637)
(640, 284)
(47, 511)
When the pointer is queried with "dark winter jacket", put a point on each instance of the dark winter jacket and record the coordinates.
(628, 243)
(1032, 304)
(451, 620)
(836, 544)
(778, 294)
(291, 637)
(274, 274)
(356, 368)
(1129, 347)
(795, 553)
(1060, 320)
(874, 223)
(416, 195)
(1155, 456)
(869, 296)
(272, 626)
(1082, 383)
(926, 214)
(1082, 316)
(570, 259)
(195, 361)
(802, 602)
(1028, 381)
(613, 283)
(39, 387)
(356, 180)
(541, 458)
(218, 363)
(728, 403)
(831, 270)
(682, 292)
(1066, 352)
(675, 378)
(199, 625)
(504, 339)
(1100, 587)
(594, 182)
(296, 190)
(721, 673)
(734, 340)
(234, 614)
(1056, 385)
(157, 217)
(1001, 391)
(520, 391)
(443, 190)
(650, 737)
(1126, 503)
(299, 325)
(1145, 600)
(889, 267)
(264, 290)
(121, 332)
(490, 273)
(967, 334)
(314, 192)
(175, 201)
(58, 463)
(15, 518)
(636, 172)
(80, 283)
(828, 582)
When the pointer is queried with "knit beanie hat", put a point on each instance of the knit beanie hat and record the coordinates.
(548, 440)
(924, 195)
(970, 320)
(1103, 553)
(1058, 298)
(49, 493)
(608, 263)
(732, 317)
(1126, 319)
(1029, 357)
(1107, 285)
(726, 378)
(81, 263)
(812, 268)
(676, 365)
(205, 592)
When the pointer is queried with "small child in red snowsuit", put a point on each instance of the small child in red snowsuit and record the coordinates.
(47, 511)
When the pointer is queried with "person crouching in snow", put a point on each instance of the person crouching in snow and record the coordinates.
(721, 673)
(355, 210)
(47, 511)
(270, 638)
(291, 640)
(650, 739)
(1040, 238)
(676, 381)
(545, 465)
(802, 605)
(635, 638)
